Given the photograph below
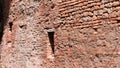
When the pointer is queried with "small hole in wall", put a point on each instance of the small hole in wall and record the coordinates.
(53, 6)
(97, 55)
(118, 21)
(51, 38)
(96, 29)
(23, 26)
(10, 25)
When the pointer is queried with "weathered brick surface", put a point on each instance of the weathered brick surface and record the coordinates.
(87, 34)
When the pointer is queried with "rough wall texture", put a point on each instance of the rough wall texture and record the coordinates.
(87, 34)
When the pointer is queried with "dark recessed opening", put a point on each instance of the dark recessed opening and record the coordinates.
(22, 26)
(1, 30)
(1, 20)
(51, 38)
(53, 6)
(4, 11)
(118, 21)
(10, 25)
(96, 29)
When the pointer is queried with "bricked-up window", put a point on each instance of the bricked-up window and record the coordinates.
(51, 38)
(4, 11)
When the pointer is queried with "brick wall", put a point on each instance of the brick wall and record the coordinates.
(87, 34)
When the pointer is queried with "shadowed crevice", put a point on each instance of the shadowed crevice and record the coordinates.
(51, 33)
(4, 11)
(51, 40)
(1, 20)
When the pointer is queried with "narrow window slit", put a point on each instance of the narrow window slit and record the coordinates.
(51, 39)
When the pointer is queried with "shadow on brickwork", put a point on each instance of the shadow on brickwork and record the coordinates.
(4, 11)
